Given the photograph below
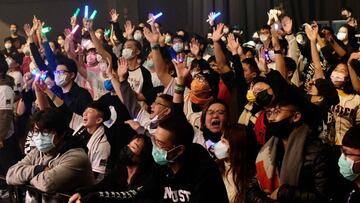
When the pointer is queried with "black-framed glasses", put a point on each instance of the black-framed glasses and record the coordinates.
(276, 111)
(61, 72)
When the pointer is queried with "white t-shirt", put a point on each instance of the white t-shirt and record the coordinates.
(96, 82)
(136, 80)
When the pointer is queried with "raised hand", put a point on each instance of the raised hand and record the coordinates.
(122, 69)
(28, 30)
(232, 44)
(151, 36)
(129, 28)
(311, 32)
(218, 32)
(261, 64)
(114, 15)
(182, 71)
(210, 19)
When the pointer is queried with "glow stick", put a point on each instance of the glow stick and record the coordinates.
(86, 44)
(216, 15)
(36, 74)
(46, 30)
(93, 15)
(86, 12)
(107, 32)
(77, 12)
(74, 30)
(156, 17)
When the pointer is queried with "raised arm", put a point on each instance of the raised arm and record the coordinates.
(279, 58)
(312, 32)
(355, 81)
(219, 54)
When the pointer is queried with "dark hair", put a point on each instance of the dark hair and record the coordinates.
(265, 27)
(104, 110)
(61, 35)
(290, 64)
(138, 46)
(13, 24)
(69, 63)
(253, 65)
(241, 160)
(50, 119)
(180, 129)
(351, 138)
(178, 37)
(168, 99)
(247, 49)
(207, 106)
(3, 65)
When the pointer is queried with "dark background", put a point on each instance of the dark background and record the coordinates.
(187, 14)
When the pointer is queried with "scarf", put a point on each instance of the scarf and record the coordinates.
(267, 171)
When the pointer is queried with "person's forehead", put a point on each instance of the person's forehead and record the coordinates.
(260, 85)
(216, 106)
(13, 26)
(61, 67)
(349, 150)
(343, 29)
(264, 31)
(129, 44)
(162, 135)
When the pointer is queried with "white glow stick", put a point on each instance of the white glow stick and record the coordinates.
(156, 17)
(75, 29)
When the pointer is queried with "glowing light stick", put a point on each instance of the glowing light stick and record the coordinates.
(36, 74)
(46, 30)
(86, 12)
(156, 17)
(75, 29)
(93, 15)
(216, 15)
(77, 12)
(86, 44)
(107, 32)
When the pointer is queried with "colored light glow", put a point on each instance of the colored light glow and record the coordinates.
(86, 12)
(156, 17)
(77, 12)
(93, 15)
(46, 29)
(75, 29)
(107, 32)
(216, 15)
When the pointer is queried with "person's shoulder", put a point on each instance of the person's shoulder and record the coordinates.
(198, 155)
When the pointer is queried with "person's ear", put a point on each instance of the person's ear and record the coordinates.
(320, 98)
(296, 117)
(99, 121)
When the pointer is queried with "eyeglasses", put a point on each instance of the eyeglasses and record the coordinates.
(158, 103)
(160, 144)
(218, 112)
(276, 111)
(61, 72)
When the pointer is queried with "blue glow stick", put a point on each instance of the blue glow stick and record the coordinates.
(216, 15)
(156, 16)
(35, 73)
(77, 12)
(93, 15)
(86, 12)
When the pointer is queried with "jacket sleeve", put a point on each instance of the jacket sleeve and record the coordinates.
(118, 32)
(72, 165)
(129, 98)
(50, 56)
(254, 193)
(37, 57)
(22, 172)
(148, 89)
(321, 179)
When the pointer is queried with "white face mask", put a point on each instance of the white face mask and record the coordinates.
(221, 150)
(60, 80)
(341, 36)
(44, 142)
(226, 30)
(178, 47)
(148, 64)
(264, 38)
(127, 53)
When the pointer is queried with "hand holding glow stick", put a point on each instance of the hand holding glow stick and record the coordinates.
(45, 30)
(155, 17)
(213, 16)
(75, 29)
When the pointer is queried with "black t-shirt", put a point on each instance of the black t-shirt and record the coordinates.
(77, 99)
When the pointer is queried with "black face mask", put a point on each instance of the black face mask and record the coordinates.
(126, 156)
(281, 129)
(263, 98)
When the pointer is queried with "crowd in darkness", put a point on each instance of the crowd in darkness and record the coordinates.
(136, 113)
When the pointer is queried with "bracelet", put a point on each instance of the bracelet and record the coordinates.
(155, 46)
(278, 51)
(179, 87)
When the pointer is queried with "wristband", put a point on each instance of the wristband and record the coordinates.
(155, 46)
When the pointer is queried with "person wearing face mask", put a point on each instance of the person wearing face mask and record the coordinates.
(11, 51)
(349, 164)
(92, 133)
(58, 159)
(61, 42)
(133, 170)
(346, 35)
(235, 155)
(16, 40)
(73, 98)
(139, 77)
(294, 165)
(178, 45)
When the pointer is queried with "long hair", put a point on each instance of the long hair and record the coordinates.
(242, 165)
